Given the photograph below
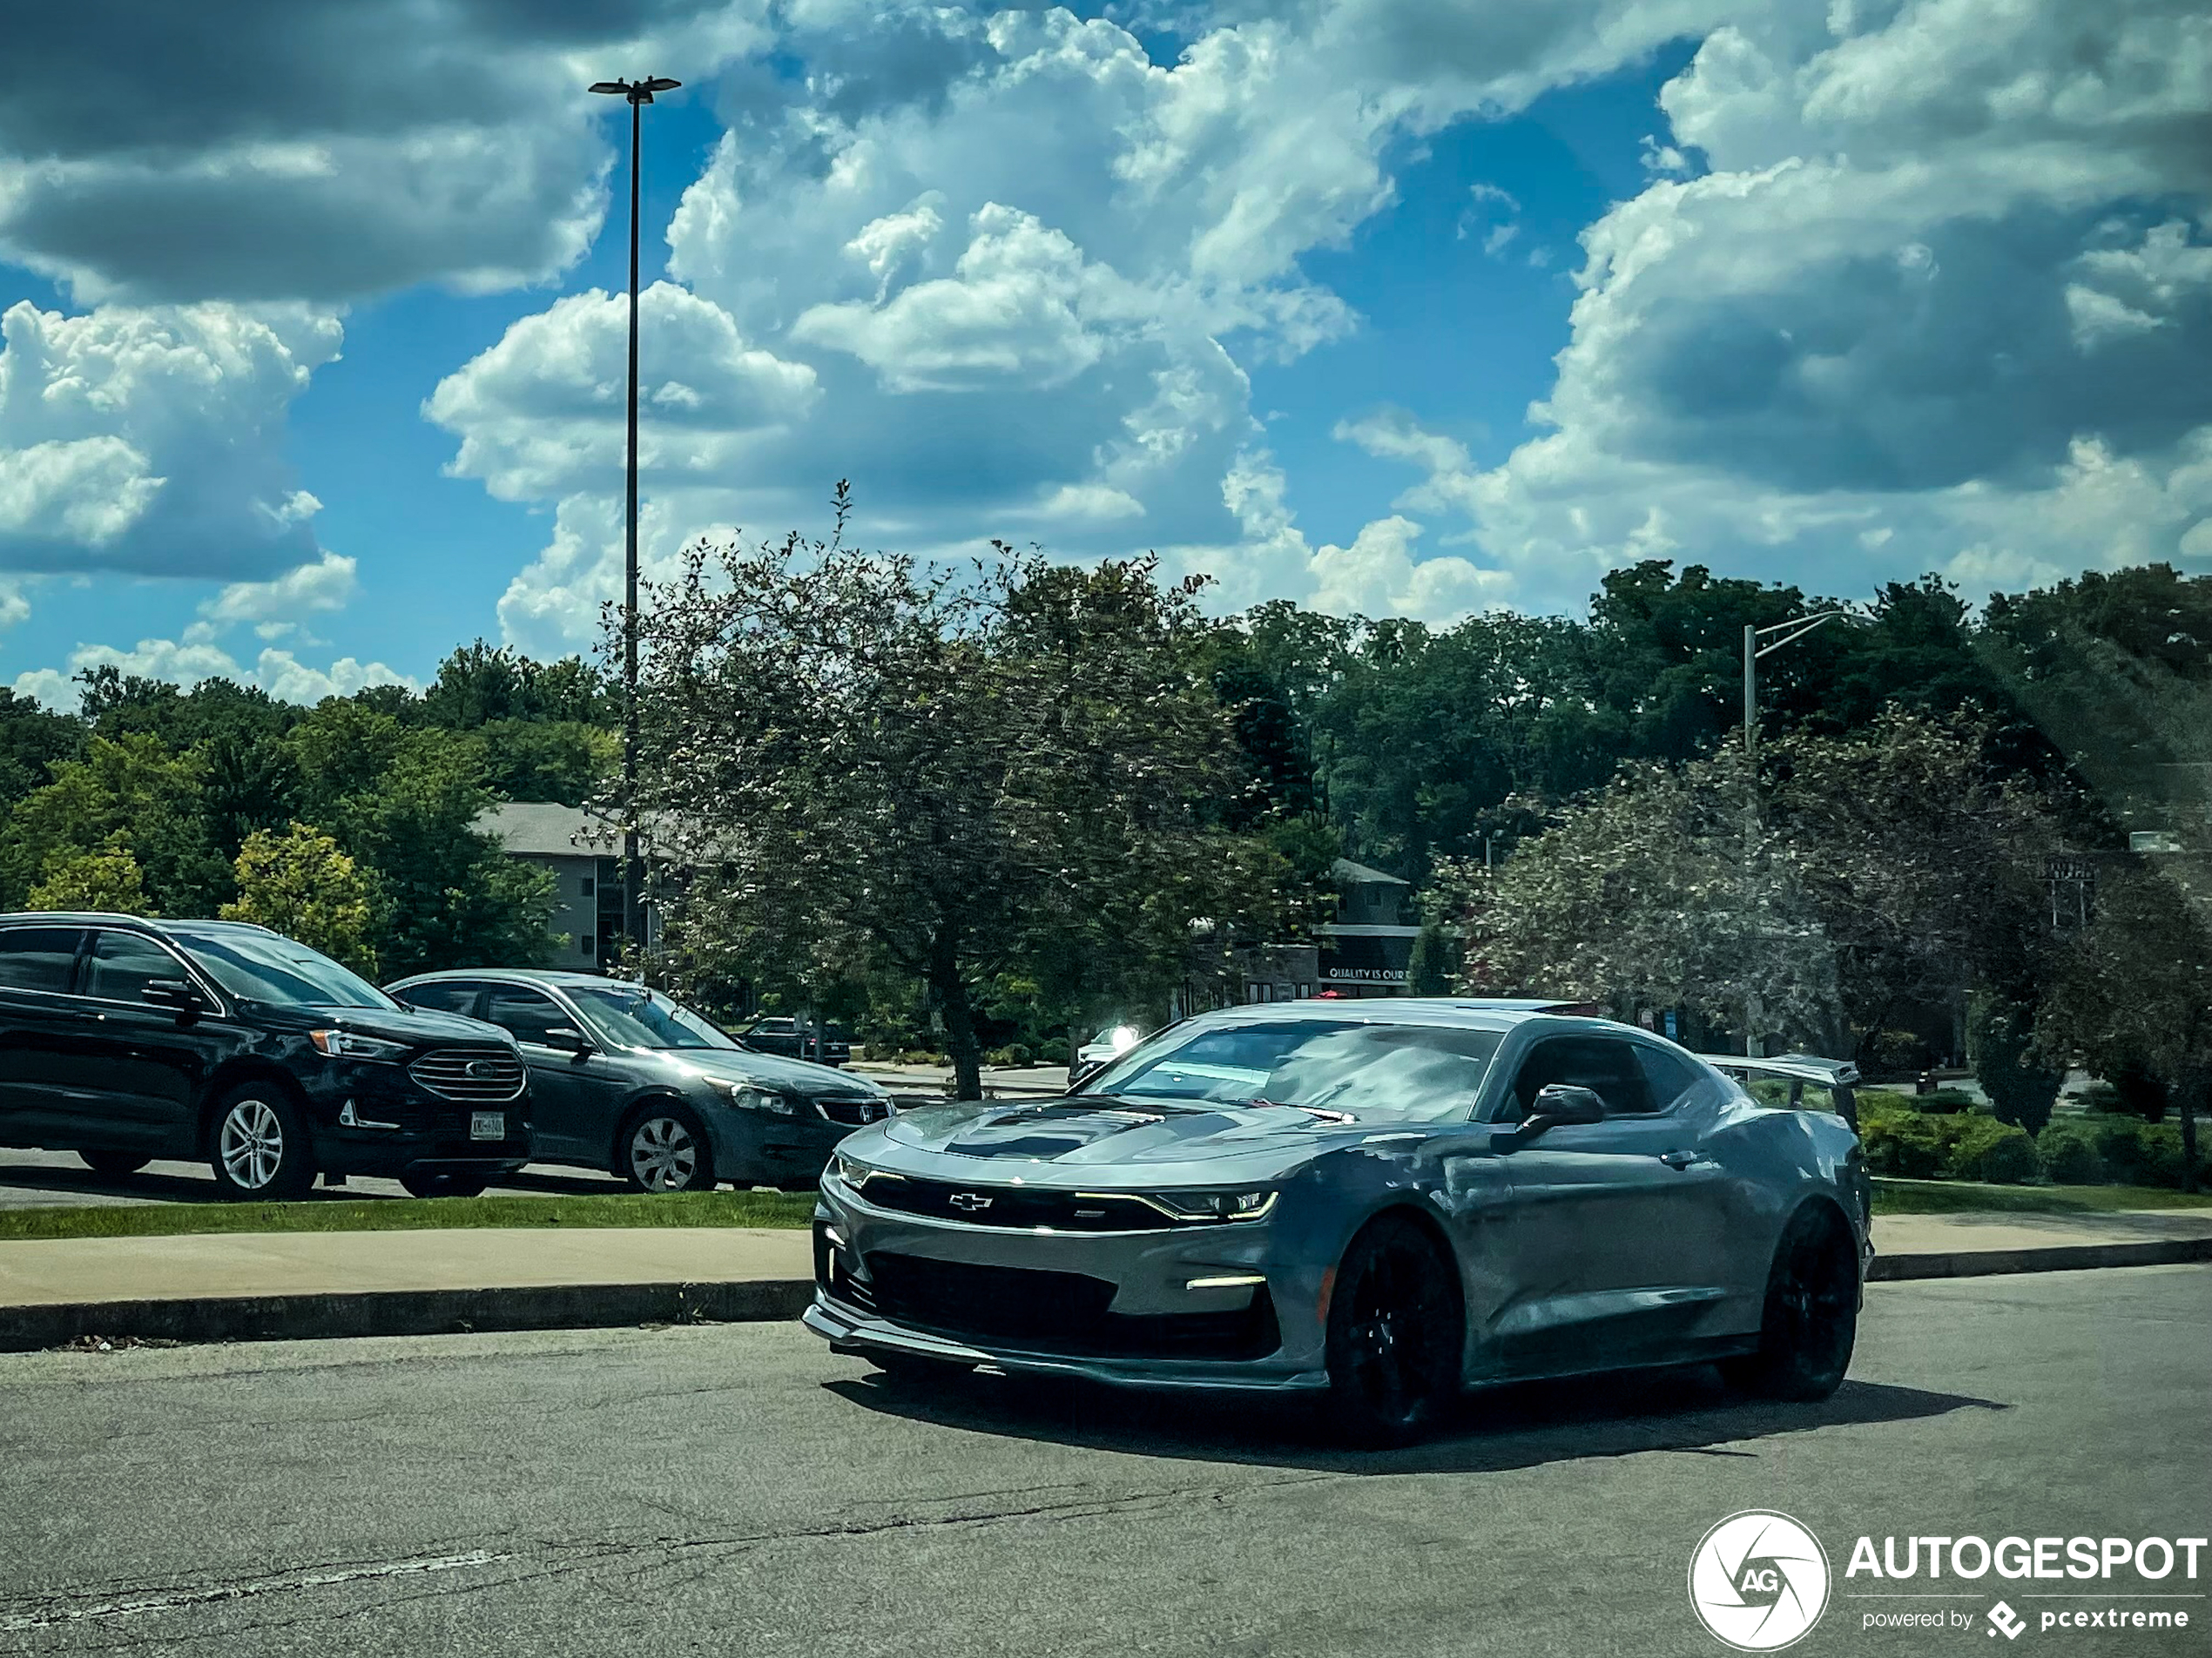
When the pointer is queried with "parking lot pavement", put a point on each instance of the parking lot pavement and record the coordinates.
(38, 1179)
(737, 1490)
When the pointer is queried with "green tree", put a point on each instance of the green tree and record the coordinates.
(31, 738)
(403, 803)
(2132, 994)
(2022, 1087)
(302, 885)
(106, 879)
(862, 764)
(133, 784)
(1429, 973)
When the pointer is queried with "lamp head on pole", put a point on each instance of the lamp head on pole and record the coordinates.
(635, 91)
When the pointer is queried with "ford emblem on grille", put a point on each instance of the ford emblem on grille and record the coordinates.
(969, 1200)
(482, 1068)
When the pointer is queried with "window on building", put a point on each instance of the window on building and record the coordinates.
(586, 886)
(1305, 991)
(587, 945)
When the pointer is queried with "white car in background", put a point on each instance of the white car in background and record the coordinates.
(1109, 1044)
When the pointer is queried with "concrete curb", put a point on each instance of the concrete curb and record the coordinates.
(595, 1307)
(404, 1312)
(2056, 1257)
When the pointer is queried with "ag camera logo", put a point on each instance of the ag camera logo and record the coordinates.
(1759, 1581)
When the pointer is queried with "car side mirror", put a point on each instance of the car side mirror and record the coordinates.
(1561, 1103)
(180, 993)
(1084, 1074)
(569, 1040)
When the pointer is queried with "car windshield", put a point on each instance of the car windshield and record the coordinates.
(266, 967)
(628, 1018)
(1421, 1073)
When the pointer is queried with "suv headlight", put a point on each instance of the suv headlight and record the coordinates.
(751, 1096)
(346, 1044)
(1214, 1205)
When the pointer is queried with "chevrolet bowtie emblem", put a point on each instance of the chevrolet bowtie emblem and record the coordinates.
(969, 1200)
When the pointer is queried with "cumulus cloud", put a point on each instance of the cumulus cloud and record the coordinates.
(150, 440)
(1028, 267)
(187, 662)
(322, 152)
(1924, 292)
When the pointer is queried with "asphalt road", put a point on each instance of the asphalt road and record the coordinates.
(737, 1490)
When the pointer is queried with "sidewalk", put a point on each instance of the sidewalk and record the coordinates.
(297, 1285)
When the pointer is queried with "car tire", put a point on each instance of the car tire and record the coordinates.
(114, 1164)
(1394, 1336)
(664, 1148)
(1809, 1320)
(444, 1185)
(259, 1146)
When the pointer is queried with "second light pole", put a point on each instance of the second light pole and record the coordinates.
(639, 93)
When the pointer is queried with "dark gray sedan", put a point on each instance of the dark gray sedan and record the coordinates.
(1376, 1201)
(624, 1079)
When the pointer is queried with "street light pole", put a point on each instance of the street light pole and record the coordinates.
(1788, 633)
(638, 94)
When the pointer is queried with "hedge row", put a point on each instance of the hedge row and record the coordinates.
(2081, 1151)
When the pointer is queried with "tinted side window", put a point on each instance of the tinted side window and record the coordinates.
(123, 964)
(526, 1013)
(38, 957)
(1608, 1068)
(444, 997)
(1669, 1075)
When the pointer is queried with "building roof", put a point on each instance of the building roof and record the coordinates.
(1348, 873)
(544, 829)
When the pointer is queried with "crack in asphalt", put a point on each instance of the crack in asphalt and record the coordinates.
(549, 1558)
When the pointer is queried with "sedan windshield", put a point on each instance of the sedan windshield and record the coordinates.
(628, 1018)
(266, 967)
(1419, 1073)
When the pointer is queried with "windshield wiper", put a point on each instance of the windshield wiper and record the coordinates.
(1320, 1111)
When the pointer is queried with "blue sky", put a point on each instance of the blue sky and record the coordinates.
(1376, 306)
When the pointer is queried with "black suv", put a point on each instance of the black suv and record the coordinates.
(125, 1040)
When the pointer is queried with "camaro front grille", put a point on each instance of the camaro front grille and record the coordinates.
(856, 1112)
(1015, 1207)
(1054, 1312)
(481, 1077)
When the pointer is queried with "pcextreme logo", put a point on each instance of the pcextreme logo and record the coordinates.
(1759, 1581)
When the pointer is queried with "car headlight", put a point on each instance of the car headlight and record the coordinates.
(1213, 1205)
(857, 1174)
(751, 1096)
(347, 1044)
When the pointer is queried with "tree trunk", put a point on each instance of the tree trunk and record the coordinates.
(2186, 1099)
(950, 988)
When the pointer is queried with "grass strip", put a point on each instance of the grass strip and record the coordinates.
(1954, 1196)
(422, 1214)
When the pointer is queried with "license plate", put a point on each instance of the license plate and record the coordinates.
(488, 1125)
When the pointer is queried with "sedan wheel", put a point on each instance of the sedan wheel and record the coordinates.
(262, 1147)
(667, 1151)
(1810, 1321)
(1395, 1335)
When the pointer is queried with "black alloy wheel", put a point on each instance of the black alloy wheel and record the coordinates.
(426, 1185)
(114, 1164)
(665, 1149)
(1395, 1325)
(1810, 1320)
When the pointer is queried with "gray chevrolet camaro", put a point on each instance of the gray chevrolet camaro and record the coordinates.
(1381, 1201)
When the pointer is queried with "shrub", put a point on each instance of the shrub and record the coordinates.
(2000, 1152)
(1898, 1050)
(1901, 1143)
(1945, 1102)
(2070, 1155)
